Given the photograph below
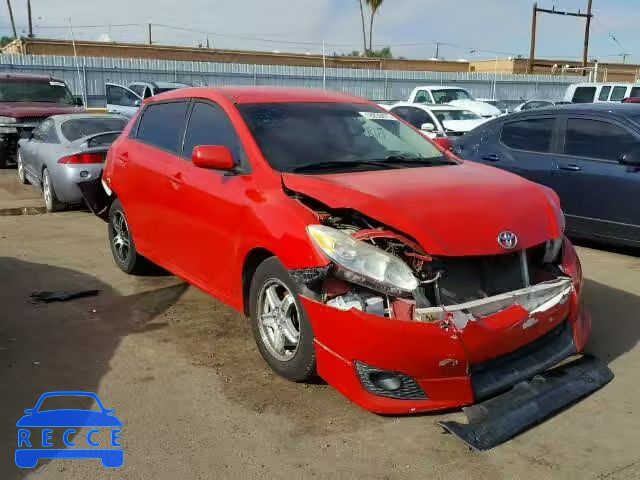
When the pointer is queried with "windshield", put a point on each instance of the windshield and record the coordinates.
(450, 94)
(30, 91)
(294, 135)
(83, 127)
(444, 115)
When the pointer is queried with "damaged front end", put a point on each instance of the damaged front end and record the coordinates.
(378, 270)
(422, 332)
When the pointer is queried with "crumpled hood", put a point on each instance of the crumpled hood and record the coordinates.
(463, 125)
(481, 108)
(35, 109)
(454, 210)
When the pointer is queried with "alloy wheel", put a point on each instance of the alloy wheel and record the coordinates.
(278, 319)
(121, 237)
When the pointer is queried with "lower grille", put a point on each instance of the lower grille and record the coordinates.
(498, 374)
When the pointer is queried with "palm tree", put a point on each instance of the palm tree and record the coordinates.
(374, 5)
(364, 33)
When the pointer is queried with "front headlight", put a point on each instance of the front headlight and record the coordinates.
(362, 263)
(6, 125)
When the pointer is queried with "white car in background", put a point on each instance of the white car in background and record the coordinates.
(456, 96)
(437, 121)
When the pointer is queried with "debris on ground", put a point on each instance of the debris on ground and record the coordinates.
(47, 297)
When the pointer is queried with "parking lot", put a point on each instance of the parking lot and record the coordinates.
(183, 374)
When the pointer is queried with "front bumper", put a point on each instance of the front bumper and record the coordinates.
(435, 357)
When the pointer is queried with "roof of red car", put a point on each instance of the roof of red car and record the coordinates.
(264, 95)
(27, 77)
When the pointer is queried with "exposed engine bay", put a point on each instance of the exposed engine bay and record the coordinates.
(454, 286)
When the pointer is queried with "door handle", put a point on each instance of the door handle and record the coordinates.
(176, 180)
(570, 168)
(492, 157)
(123, 158)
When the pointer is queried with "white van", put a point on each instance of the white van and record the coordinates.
(601, 92)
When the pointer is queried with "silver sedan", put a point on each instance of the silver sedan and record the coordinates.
(65, 150)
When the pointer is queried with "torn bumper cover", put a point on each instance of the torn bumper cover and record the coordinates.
(501, 418)
(447, 357)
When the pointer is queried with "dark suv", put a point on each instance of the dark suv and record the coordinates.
(26, 100)
(589, 154)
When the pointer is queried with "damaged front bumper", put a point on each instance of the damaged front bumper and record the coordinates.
(447, 357)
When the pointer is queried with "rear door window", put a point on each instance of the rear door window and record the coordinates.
(635, 92)
(604, 93)
(209, 125)
(161, 125)
(617, 94)
(597, 139)
(533, 135)
(584, 95)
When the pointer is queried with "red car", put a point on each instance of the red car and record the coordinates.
(408, 279)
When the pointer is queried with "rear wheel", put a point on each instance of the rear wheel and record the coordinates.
(279, 323)
(122, 245)
(22, 177)
(51, 202)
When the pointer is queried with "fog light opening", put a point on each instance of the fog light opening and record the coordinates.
(386, 381)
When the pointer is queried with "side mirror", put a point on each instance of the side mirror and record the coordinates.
(631, 158)
(137, 103)
(213, 157)
(428, 127)
(78, 102)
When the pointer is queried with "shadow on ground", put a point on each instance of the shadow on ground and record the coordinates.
(616, 320)
(60, 346)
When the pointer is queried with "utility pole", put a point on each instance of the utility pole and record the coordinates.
(149, 28)
(13, 24)
(587, 30)
(437, 50)
(532, 50)
(553, 11)
(29, 16)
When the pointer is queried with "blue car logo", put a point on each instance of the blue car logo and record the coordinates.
(32, 446)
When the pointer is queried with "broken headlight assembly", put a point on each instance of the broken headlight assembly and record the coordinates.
(362, 263)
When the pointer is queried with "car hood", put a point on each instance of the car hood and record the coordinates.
(69, 418)
(481, 108)
(35, 109)
(454, 210)
(463, 125)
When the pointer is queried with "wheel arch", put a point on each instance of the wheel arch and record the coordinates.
(251, 262)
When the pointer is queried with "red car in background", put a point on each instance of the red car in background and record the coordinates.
(25, 101)
(409, 280)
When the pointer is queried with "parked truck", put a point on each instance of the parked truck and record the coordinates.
(25, 101)
(456, 96)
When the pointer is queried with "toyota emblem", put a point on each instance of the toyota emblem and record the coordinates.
(508, 240)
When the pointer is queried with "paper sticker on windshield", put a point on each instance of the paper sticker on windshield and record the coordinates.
(56, 84)
(378, 116)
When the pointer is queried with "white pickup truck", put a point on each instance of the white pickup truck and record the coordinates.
(456, 96)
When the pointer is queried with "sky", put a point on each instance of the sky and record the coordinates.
(469, 29)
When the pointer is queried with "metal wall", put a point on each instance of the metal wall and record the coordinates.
(379, 85)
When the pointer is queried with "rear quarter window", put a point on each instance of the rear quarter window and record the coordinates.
(533, 135)
(584, 95)
(161, 125)
(618, 93)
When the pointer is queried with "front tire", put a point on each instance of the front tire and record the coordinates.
(279, 323)
(22, 177)
(122, 245)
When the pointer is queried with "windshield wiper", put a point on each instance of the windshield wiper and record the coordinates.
(401, 159)
(337, 164)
